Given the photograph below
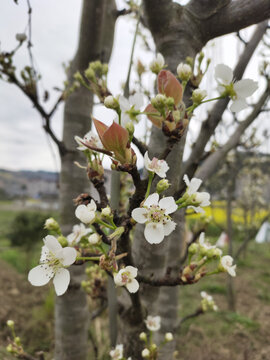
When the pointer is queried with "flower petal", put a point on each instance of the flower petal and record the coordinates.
(147, 161)
(132, 270)
(40, 275)
(238, 105)
(132, 286)
(194, 185)
(137, 100)
(224, 74)
(154, 233)
(151, 200)
(139, 215)
(69, 256)
(168, 204)
(168, 227)
(52, 243)
(245, 88)
(61, 281)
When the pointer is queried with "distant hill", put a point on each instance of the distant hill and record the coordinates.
(34, 184)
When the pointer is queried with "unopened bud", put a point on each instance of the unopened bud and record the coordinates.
(111, 103)
(168, 336)
(162, 185)
(17, 341)
(90, 74)
(21, 37)
(193, 248)
(184, 72)
(143, 336)
(94, 239)
(198, 95)
(157, 65)
(106, 211)
(145, 353)
(105, 69)
(9, 348)
(63, 241)
(52, 225)
(10, 323)
(78, 76)
(130, 128)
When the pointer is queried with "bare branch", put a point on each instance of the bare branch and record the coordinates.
(140, 145)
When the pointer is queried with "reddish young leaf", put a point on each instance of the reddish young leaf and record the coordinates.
(101, 128)
(170, 86)
(156, 120)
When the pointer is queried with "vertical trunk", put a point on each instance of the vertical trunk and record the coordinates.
(95, 42)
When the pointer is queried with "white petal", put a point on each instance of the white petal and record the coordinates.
(238, 105)
(139, 215)
(186, 180)
(224, 74)
(137, 100)
(61, 281)
(245, 87)
(197, 209)
(194, 185)
(85, 214)
(40, 275)
(231, 270)
(132, 286)
(203, 198)
(52, 243)
(124, 103)
(154, 233)
(44, 253)
(92, 206)
(168, 227)
(202, 239)
(146, 160)
(132, 270)
(168, 204)
(151, 200)
(118, 279)
(160, 60)
(69, 256)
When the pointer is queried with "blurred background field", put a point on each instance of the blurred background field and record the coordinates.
(222, 335)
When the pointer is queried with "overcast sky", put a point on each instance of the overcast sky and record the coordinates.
(23, 143)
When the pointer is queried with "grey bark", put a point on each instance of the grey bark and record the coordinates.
(95, 42)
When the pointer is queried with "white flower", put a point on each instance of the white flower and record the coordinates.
(238, 91)
(199, 199)
(86, 213)
(153, 323)
(53, 261)
(155, 213)
(205, 244)
(117, 353)
(130, 108)
(157, 64)
(94, 239)
(160, 167)
(184, 71)
(204, 295)
(145, 353)
(78, 231)
(126, 277)
(226, 264)
(91, 138)
(198, 95)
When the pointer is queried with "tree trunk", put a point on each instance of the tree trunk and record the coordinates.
(95, 42)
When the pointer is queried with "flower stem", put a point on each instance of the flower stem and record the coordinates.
(101, 222)
(150, 179)
(94, 258)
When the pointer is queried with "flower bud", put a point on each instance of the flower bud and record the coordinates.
(145, 353)
(9, 348)
(143, 336)
(105, 69)
(170, 102)
(198, 95)
(52, 225)
(21, 37)
(130, 128)
(162, 185)
(168, 336)
(78, 76)
(153, 347)
(117, 233)
(17, 341)
(193, 248)
(106, 211)
(94, 239)
(90, 74)
(63, 241)
(111, 103)
(10, 323)
(184, 72)
(157, 64)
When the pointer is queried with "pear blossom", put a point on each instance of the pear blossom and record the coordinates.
(205, 244)
(153, 323)
(184, 71)
(199, 199)
(157, 64)
(130, 108)
(94, 239)
(206, 296)
(159, 167)
(155, 214)
(53, 262)
(145, 353)
(78, 231)
(238, 91)
(226, 264)
(91, 138)
(208, 302)
(117, 353)
(126, 277)
(168, 336)
(86, 213)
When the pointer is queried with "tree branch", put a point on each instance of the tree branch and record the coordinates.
(236, 16)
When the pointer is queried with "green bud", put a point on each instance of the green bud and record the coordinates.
(130, 128)
(190, 61)
(170, 102)
(143, 336)
(90, 74)
(111, 102)
(78, 76)
(193, 248)
(17, 341)
(10, 323)
(52, 225)
(200, 57)
(168, 336)
(9, 348)
(62, 241)
(162, 185)
(105, 69)
(153, 347)
(198, 95)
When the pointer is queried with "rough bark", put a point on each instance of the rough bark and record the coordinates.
(95, 42)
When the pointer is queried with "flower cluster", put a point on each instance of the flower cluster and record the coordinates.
(207, 302)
